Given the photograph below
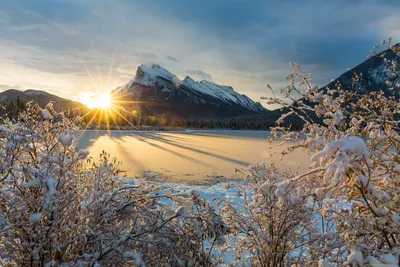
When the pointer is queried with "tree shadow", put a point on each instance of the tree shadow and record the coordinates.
(155, 139)
(144, 139)
(231, 134)
(166, 141)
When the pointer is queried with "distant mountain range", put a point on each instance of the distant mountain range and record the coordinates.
(40, 97)
(156, 91)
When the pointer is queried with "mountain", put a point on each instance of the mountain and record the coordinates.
(374, 76)
(40, 97)
(374, 73)
(155, 91)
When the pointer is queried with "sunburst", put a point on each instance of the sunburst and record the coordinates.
(106, 106)
(92, 101)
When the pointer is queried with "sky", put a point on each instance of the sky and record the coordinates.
(70, 47)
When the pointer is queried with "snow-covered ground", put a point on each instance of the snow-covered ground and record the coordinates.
(224, 190)
(191, 156)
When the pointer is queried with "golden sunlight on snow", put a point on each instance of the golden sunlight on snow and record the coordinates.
(192, 155)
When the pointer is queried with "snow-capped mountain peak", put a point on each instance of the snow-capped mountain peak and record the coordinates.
(188, 81)
(154, 83)
(149, 74)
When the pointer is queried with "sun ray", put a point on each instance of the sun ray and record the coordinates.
(110, 68)
(107, 122)
(122, 116)
(77, 108)
(93, 117)
(99, 120)
(88, 72)
(131, 102)
(100, 77)
(87, 113)
(123, 109)
(115, 122)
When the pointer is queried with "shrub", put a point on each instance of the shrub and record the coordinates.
(275, 224)
(60, 208)
(355, 175)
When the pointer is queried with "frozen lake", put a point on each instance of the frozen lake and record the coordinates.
(187, 156)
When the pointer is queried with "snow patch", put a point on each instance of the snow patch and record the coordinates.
(46, 114)
(36, 217)
(381, 75)
(355, 257)
(389, 259)
(34, 93)
(354, 145)
(65, 139)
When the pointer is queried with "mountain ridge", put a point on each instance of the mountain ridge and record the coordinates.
(374, 73)
(153, 83)
(40, 97)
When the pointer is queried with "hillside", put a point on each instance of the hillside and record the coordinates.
(40, 97)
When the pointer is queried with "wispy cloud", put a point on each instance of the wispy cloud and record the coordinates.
(70, 46)
(200, 74)
(174, 59)
(145, 55)
(7, 86)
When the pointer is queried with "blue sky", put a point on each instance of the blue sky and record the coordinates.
(72, 46)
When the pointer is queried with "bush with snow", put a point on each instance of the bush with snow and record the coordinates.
(60, 208)
(354, 144)
(274, 224)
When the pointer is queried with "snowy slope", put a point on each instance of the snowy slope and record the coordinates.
(34, 92)
(380, 75)
(150, 74)
(374, 74)
(225, 93)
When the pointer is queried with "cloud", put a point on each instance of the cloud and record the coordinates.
(130, 64)
(389, 26)
(200, 74)
(174, 59)
(145, 55)
(4, 87)
(70, 46)
(128, 68)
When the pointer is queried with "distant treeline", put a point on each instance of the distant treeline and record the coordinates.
(255, 122)
(11, 108)
(122, 119)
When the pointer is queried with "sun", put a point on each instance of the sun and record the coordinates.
(92, 100)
